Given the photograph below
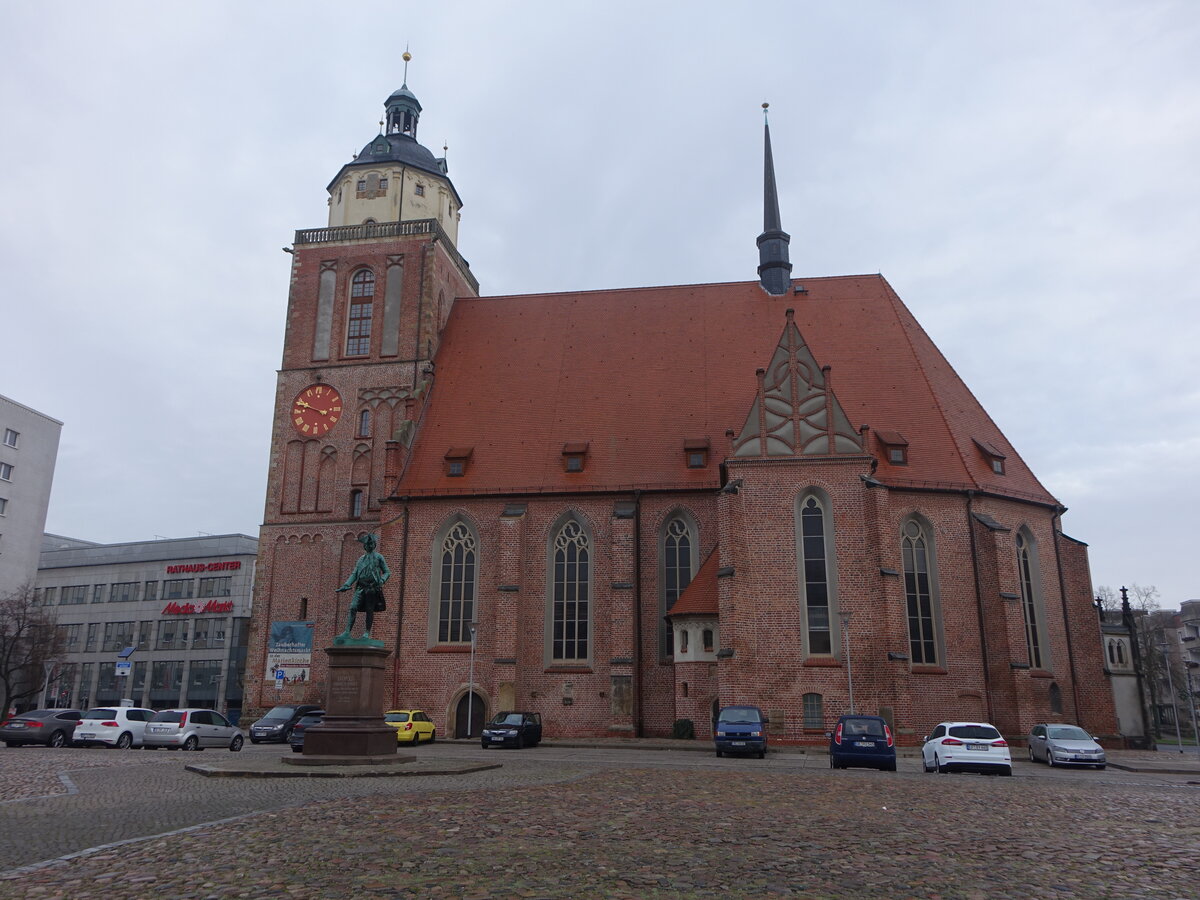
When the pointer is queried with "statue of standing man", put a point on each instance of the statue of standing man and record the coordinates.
(367, 579)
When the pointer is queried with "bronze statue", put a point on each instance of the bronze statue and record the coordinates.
(370, 572)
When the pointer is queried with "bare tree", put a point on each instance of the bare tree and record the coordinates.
(29, 641)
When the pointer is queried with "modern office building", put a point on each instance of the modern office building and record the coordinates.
(28, 451)
(160, 622)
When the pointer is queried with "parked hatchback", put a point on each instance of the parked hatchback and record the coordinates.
(1064, 745)
(966, 747)
(741, 729)
(191, 729)
(412, 726)
(862, 741)
(50, 727)
(276, 726)
(113, 726)
(512, 729)
(316, 717)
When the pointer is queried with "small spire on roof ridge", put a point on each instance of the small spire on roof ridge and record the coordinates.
(381, 126)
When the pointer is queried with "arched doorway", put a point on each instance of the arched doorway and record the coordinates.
(469, 704)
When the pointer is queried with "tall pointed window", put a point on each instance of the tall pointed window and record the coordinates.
(920, 593)
(570, 599)
(362, 302)
(678, 557)
(456, 586)
(816, 576)
(1031, 600)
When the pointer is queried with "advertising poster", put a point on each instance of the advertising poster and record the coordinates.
(290, 648)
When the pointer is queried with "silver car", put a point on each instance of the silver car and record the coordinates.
(191, 729)
(1064, 745)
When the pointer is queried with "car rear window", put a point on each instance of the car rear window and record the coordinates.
(869, 727)
(100, 714)
(974, 732)
(167, 715)
(396, 717)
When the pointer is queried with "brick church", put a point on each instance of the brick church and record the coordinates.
(629, 507)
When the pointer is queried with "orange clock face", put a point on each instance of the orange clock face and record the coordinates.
(316, 409)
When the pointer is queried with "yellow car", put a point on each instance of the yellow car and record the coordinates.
(412, 726)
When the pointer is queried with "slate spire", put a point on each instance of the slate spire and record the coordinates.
(774, 267)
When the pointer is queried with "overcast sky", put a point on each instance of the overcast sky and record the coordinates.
(1025, 175)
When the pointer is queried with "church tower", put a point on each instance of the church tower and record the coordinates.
(369, 296)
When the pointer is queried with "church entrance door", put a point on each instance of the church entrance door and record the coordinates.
(473, 705)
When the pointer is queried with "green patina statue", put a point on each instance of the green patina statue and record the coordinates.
(367, 579)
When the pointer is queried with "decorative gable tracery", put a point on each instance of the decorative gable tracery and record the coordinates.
(795, 412)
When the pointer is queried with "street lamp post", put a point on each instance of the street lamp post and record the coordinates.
(845, 617)
(471, 685)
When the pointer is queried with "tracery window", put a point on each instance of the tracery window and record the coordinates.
(456, 585)
(677, 558)
(920, 593)
(1031, 601)
(815, 575)
(358, 329)
(570, 600)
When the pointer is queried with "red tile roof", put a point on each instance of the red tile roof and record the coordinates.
(699, 598)
(637, 373)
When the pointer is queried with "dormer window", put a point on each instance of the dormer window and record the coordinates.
(895, 446)
(456, 461)
(994, 455)
(574, 454)
(696, 451)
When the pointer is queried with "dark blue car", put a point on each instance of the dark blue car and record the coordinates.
(741, 729)
(864, 742)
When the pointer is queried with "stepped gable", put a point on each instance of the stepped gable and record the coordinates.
(635, 373)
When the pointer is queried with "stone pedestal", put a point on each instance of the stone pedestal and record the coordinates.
(353, 723)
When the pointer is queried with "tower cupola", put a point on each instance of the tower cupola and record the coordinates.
(403, 111)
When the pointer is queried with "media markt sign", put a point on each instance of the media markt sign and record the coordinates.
(190, 609)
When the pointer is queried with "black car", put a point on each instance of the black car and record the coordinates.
(512, 729)
(306, 722)
(864, 742)
(49, 727)
(276, 726)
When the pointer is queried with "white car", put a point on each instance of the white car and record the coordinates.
(192, 729)
(112, 726)
(966, 747)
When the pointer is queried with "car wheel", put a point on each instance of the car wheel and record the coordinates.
(1007, 770)
(937, 766)
(484, 744)
(1100, 767)
(720, 754)
(433, 736)
(1049, 759)
(236, 744)
(1032, 758)
(295, 749)
(192, 743)
(58, 739)
(520, 742)
(18, 743)
(891, 767)
(125, 741)
(254, 740)
(762, 754)
(287, 736)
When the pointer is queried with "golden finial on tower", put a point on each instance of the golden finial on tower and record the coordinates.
(406, 56)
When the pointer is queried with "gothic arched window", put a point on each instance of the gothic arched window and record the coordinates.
(1031, 598)
(570, 597)
(920, 592)
(816, 575)
(362, 302)
(456, 561)
(678, 545)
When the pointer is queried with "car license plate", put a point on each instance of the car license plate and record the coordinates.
(739, 743)
(87, 737)
(870, 744)
(16, 725)
(977, 746)
(159, 730)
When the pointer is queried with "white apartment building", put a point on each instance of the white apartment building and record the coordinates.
(28, 451)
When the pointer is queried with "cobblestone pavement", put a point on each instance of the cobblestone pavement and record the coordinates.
(543, 826)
